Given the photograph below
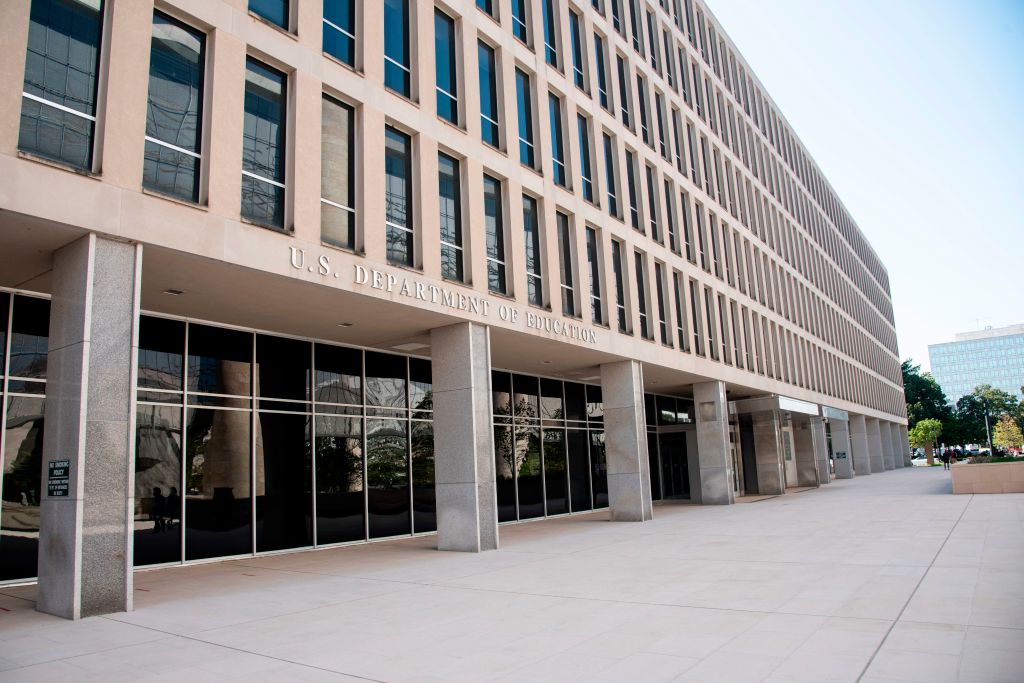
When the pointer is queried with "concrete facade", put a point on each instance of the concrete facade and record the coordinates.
(841, 448)
(665, 295)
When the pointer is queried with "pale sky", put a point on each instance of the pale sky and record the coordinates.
(914, 111)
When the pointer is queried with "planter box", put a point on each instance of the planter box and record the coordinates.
(994, 477)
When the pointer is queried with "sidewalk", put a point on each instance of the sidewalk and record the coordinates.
(885, 577)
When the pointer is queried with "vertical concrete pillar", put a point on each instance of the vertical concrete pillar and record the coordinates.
(803, 452)
(467, 511)
(859, 445)
(841, 455)
(876, 455)
(625, 434)
(768, 452)
(897, 451)
(885, 434)
(905, 447)
(85, 530)
(819, 440)
(713, 450)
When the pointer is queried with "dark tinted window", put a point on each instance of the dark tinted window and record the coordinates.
(219, 360)
(274, 11)
(339, 30)
(263, 145)
(398, 196)
(161, 352)
(397, 75)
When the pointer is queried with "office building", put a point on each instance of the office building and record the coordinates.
(287, 274)
(993, 356)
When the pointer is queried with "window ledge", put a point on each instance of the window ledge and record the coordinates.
(176, 200)
(268, 22)
(53, 163)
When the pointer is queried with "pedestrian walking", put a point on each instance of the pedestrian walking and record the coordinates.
(945, 460)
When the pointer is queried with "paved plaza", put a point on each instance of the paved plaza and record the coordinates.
(880, 578)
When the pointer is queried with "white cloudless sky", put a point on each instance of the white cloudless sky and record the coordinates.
(914, 111)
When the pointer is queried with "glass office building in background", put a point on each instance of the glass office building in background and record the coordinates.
(993, 356)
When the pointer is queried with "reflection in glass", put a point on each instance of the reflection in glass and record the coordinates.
(398, 196)
(424, 506)
(22, 474)
(30, 330)
(529, 482)
(387, 477)
(5, 307)
(579, 469)
(339, 479)
(397, 74)
(446, 78)
(174, 109)
(598, 470)
(595, 406)
(339, 375)
(263, 144)
(505, 463)
(337, 173)
(551, 400)
(282, 368)
(284, 482)
(421, 388)
(340, 30)
(495, 233)
(161, 352)
(525, 397)
(219, 360)
(501, 393)
(157, 484)
(555, 475)
(449, 195)
(575, 402)
(218, 506)
(385, 380)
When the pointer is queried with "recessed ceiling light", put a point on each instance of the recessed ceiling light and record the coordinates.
(546, 362)
(174, 292)
(411, 346)
(590, 379)
(345, 324)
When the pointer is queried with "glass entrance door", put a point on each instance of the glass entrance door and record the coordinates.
(675, 475)
(736, 452)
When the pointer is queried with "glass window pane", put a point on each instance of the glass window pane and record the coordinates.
(495, 234)
(505, 467)
(284, 482)
(598, 469)
(387, 477)
(30, 330)
(525, 113)
(398, 196)
(157, 485)
(535, 290)
(529, 485)
(556, 483)
(5, 309)
(579, 469)
(501, 391)
(339, 30)
(161, 353)
(263, 144)
(445, 67)
(525, 397)
(282, 367)
(60, 67)
(575, 402)
(22, 488)
(551, 400)
(337, 174)
(396, 46)
(339, 375)
(423, 499)
(385, 380)
(218, 504)
(488, 94)
(450, 202)
(219, 360)
(421, 389)
(274, 11)
(339, 479)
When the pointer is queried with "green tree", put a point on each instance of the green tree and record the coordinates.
(1007, 433)
(924, 434)
(924, 396)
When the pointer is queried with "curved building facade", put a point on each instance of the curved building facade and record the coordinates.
(284, 274)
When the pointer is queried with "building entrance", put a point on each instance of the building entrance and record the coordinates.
(675, 473)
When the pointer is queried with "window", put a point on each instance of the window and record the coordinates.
(565, 263)
(398, 217)
(602, 72)
(495, 234)
(397, 69)
(670, 219)
(687, 236)
(274, 11)
(340, 30)
(641, 92)
(578, 75)
(641, 294)
(652, 203)
(616, 15)
(520, 25)
(634, 208)
(620, 286)
(701, 237)
(709, 316)
(583, 130)
(636, 30)
(659, 110)
(531, 228)
(678, 140)
(58, 109)
(723, 327)
(449, 192)
(698, 323)
(624, 98)
(446, 72)
(652, 41)
(263, 146)
(682, 333)
(337, 174)
(609, 173)
(692, 140)
(594, 266)
(488, 94)
(550, 33)
(525, 109)
(659, 282)
(171, 162)
(486, 6)
(557, 140)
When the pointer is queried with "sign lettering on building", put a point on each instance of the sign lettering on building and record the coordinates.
(57, 478)
(444, 298)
